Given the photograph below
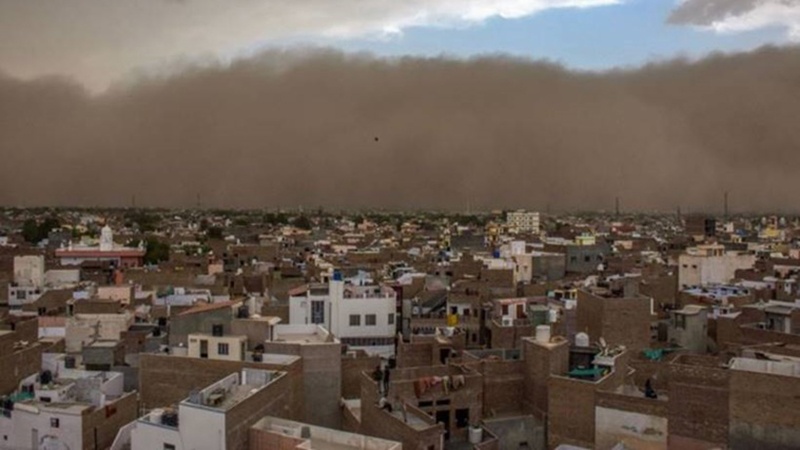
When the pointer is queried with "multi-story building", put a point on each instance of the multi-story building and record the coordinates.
(361, 317)
(523, 221)
(711, 264)
(28, 284)
(66, 409)
(217, 417)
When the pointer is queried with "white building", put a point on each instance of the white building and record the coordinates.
(107, 250)
(28, 284)
(523, 221)
(362, 317)
(205, 419)
(65, 409)
(711, 264)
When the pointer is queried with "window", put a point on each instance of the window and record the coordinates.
(317, 312)
(169, 446)
(355, 320)
(391, 318)
(505, 310)
(203, 348)
(216, 330)
(462, 418)
(371, 320)
(222, 349)
(54, 422)
(20, 295)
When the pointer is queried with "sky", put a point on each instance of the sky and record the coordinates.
(401, 104)
(100, 43)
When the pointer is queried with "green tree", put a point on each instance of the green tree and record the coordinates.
(302, 222)
(30, 231)
(35, 232)
(156, 251)
(214, 233)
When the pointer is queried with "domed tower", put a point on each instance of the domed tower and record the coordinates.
(106, 239)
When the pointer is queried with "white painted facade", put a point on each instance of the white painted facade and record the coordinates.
(201, 425)
(42, 427)
(711, 264)
(634, 429)
(363, 317)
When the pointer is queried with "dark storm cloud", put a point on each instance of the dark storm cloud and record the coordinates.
(299, 128)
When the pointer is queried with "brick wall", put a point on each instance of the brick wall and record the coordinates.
(509, 337)
(698, 402)
(503, 381)
(470, 396)
(103, 423)
(273, 400)
(764, 411)
(415, 354)
(322, 382)
(540, 362)
(620, 321)
(379, 423)
(16, 364)
(166, 380)
(351, 373)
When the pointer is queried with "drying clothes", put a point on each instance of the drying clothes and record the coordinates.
(423, 385)
(458, 382)
(446, 385)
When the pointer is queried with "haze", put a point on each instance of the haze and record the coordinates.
(299, 128)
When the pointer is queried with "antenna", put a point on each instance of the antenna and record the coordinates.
(616, 206)
(198, 200)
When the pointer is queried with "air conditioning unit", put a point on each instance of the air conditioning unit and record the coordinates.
(508, 321)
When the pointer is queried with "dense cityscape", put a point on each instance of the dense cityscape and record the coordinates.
(399, 225)
(197, 329)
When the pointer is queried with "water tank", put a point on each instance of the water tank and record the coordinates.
(582, 340)
(156, 416)
(543, 334)
(475, 435)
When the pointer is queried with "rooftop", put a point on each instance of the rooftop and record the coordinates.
(205, 307)
(233, 389)
(318, 438)
(303, 334)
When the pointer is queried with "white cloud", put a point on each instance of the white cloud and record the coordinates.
(763, 16)
(98, 41)
(734, 16)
